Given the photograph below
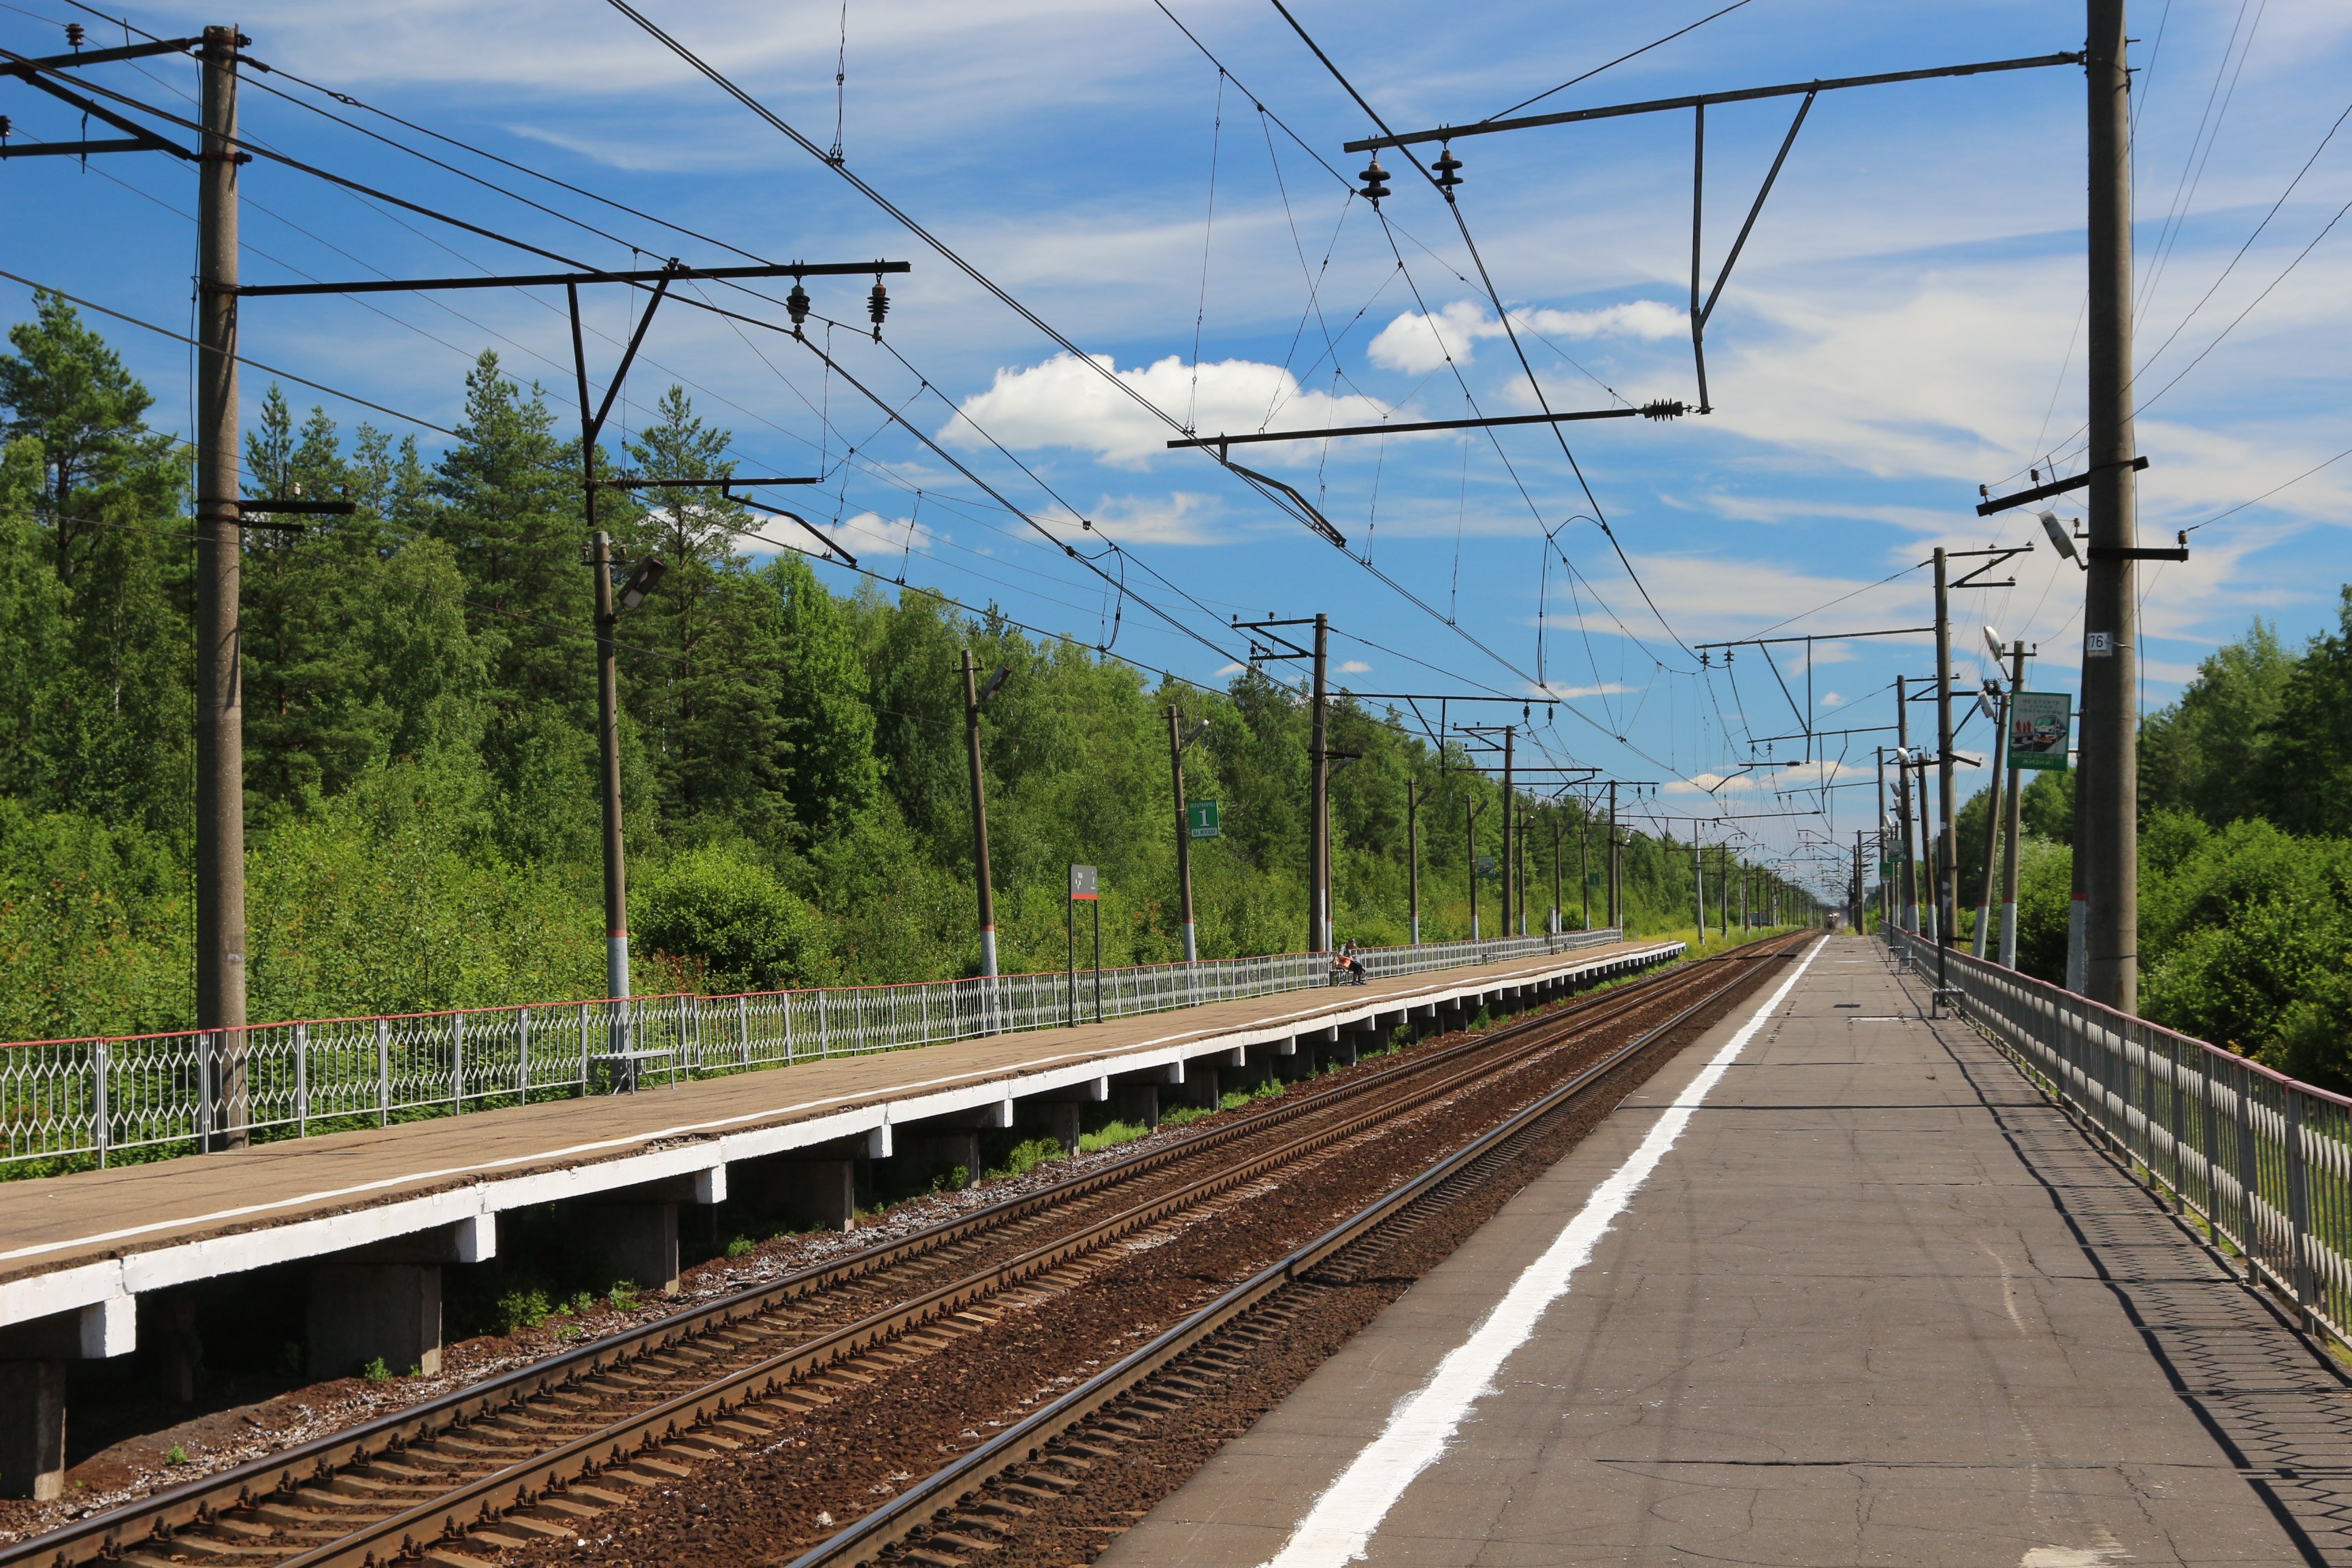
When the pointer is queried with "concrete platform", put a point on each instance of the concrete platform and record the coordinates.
(1877, 1303)
(77, 1250)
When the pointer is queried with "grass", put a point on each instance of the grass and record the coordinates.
(1111, 1136)
(375, 1370)
(524, 1308)
(1028, 1154)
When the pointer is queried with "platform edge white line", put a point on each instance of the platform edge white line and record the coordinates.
(1339, 1527)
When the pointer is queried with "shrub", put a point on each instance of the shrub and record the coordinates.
(1112, 1136)
(1028, 1154)
(733, 917)
(521, 1310)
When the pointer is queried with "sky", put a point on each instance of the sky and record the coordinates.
(1163, 186)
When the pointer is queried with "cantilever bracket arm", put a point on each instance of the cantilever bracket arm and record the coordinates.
(628, 357)
(146, 138)
(1970, 580)
(1305, 509)
(1701, 312)
(832, 549)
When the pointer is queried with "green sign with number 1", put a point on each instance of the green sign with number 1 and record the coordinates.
(1201, 816)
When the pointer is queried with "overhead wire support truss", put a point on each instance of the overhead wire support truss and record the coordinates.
(1701, 100)
(1703, 308)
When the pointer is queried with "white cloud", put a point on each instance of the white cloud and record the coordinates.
(1355, 666)
(1064, 402)
(1180, 517)
(869, 536)
(1569, 693)
(1416, 344)
(1232, 668)
(1832, 700)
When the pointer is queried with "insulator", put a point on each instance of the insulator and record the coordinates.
(1446, 166)
(74, 35)
(4, 127)
(797, 302)
(877, 305)
(1375, 182)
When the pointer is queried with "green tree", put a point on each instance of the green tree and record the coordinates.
(70, 392)
(2307, 785)
(2208, 752)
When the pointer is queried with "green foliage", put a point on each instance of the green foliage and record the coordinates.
(622, 1297)
(1028, 1154)
(2207, 753)
(1111, 1136)
(373, 1370)
(523, 1309)
(421, 756)
(742, 1246)
(734, 919)
(2250, 929)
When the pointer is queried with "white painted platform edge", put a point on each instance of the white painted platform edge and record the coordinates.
(111, 1283)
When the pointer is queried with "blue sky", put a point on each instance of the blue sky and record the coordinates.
(1901, 328)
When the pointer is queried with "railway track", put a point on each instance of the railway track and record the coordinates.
(535, 1458)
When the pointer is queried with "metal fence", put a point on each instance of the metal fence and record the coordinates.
(2262, 1161)
(65, 1104)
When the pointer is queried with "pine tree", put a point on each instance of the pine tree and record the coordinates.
(66, 388)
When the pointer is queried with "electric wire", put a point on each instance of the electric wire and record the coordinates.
(1620, 61)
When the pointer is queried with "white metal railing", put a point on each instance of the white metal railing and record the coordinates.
(2263, 1159)
(65, 1104)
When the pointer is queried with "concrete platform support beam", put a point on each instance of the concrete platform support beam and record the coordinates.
(635, 1242)
(1137, 1103)
(1296, 1063)
(1341, 1052)
(944, 1151)
(1200, 1088)
(1049, 1119)
(33, 1429)
(364, 1312)
(803, 1195)
(167, 1323)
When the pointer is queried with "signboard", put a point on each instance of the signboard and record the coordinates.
(1486, 866)
(1082, 883)
(1201, 816)
(2040, 724)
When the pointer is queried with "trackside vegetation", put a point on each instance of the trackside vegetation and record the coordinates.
(2245, 856)
(420, 761)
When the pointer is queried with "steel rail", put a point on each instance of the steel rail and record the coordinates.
(484, 1499)
(196, 1502)
(895, 1520)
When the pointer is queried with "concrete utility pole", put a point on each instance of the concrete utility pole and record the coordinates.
(1558, 914)
(980, 829)
(1584, 866)
(1319, 810)
(1998, 803)
(1699, 882)
(1947, 887)
(2013, 789)
(1510, 814)
(1183, 825)
(608, 747)
(1910, 871)
(220, 699)
(1616, 910)
(2106, 823)
(1414, 795)
(1470, 829)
